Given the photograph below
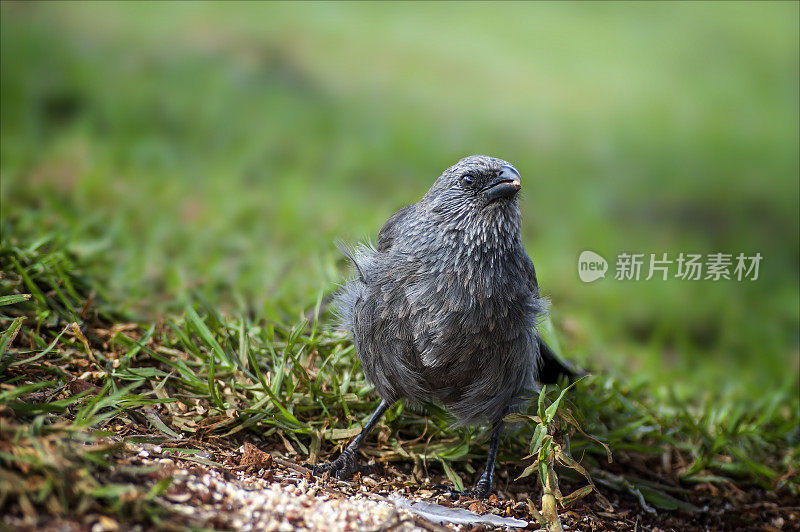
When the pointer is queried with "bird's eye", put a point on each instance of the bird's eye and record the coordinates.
(468, 180)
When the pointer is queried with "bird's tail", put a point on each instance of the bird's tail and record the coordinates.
(553, 366)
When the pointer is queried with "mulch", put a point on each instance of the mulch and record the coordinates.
(258, 467)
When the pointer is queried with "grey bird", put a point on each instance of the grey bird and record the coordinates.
(444, 311)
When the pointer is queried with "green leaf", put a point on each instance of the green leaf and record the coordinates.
(568, 461)
(665, 501)
(579, 493)
(35, 292)
(540, 406)
(41, 353)
(545, 448)
(567, 416)
(156, 422)
(538, 436)
(758, 470)
(550, 412)
(517, 418)
(6, 340)
(451, 474)
(528, 471)
(204, 332)
(158, 488)
(13, 299)
(244, 344)
(456, 452)
(13, 393)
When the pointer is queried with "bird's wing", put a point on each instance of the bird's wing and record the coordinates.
(384, 339)
(392, 226)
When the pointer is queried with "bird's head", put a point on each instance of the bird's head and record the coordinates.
(477, 183)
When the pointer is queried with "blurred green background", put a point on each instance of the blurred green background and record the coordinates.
(219, 149)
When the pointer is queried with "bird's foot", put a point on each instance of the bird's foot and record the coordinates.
(342, 468)
(480, 491)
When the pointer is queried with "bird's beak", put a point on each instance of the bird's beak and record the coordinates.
(505, 185)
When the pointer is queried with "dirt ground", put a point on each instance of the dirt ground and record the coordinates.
(248, 488)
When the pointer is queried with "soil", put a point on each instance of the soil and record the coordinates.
(263, 487)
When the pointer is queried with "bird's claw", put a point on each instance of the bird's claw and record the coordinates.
(343, 468)
(480, 491)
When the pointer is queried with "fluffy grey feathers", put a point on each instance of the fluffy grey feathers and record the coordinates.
(445, 309)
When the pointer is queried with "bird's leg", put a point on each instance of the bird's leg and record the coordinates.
(346, 465)
(484, 485)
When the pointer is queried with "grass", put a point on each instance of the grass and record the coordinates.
(239, 189)
(173, 177)
(73, 380)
